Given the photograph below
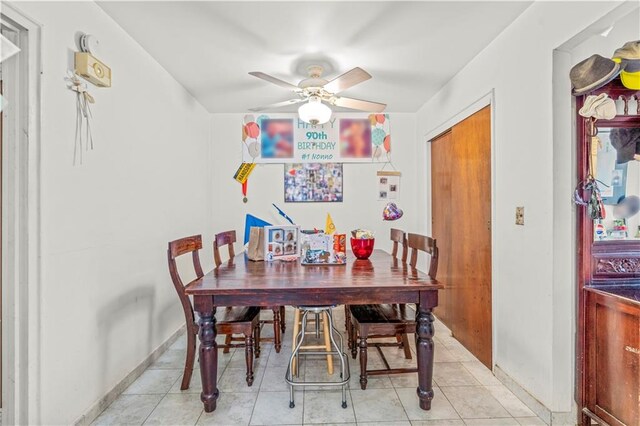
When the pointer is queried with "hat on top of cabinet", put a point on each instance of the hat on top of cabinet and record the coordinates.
(629, 56)
(600, 107)
(593, 73)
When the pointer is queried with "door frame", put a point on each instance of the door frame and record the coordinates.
(475, 106)
(21, 218)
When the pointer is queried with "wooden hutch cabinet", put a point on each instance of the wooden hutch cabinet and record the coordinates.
(608, 329)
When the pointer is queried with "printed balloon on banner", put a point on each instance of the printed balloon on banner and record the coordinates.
(380, 118)
(387, 143)
(260, 118)
(377, 136)
(254, 149)
(252, 129)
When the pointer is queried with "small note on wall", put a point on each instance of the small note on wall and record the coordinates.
(388, 185)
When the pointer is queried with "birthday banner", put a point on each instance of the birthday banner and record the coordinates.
(345, 138)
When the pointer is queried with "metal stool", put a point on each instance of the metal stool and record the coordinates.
(344, 365)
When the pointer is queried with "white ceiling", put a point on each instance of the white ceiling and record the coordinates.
(410, 48)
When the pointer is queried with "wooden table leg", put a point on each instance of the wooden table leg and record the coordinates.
(208, 353)
(424, 350)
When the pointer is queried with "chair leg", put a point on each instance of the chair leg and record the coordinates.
(227, 342)
(256, 340)
(347, 325)
(406, 347)
(346, 317)
(248, 354)
(277, 340)
(296, 330)
(363, 362)
(354, 341)
(327, 342)
(188, 364)
(283, 321)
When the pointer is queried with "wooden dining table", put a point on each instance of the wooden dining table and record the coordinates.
(379, 279)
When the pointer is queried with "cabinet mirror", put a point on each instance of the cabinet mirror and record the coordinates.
(615, 161)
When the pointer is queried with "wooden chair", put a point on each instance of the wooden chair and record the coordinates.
(241, 320)
(228, 238)
(399, 238)
(388, 319)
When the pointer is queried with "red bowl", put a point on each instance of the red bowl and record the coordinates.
(362, 249)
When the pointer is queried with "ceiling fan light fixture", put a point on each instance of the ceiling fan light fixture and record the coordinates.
(314, 112)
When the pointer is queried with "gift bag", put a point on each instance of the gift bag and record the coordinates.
(255, 251)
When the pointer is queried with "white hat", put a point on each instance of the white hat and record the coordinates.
(600, 107)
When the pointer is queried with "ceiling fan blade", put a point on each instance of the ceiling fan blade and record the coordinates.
(277, 105)
(346, 80)
(275, 81)
(359, 104)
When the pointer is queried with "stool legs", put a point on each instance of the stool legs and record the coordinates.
(328, 350)
(341, 355)
(296, 330)
(298, 338)
(327, 341)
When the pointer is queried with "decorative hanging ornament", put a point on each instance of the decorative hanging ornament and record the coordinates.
(244, 191)
(392, 212)
(83, 115)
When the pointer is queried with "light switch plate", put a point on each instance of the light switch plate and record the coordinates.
(519, 215)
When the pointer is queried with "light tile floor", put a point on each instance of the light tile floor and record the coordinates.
(466, 392)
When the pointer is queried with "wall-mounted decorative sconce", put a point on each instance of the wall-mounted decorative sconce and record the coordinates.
(90, 67)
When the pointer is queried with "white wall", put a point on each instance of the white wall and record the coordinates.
(625, 29)
(533, 337)
(360, 208)
(107, 299)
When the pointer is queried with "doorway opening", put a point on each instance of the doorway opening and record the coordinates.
(20, 219)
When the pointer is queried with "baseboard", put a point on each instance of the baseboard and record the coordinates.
(552, 418)
(98, 407)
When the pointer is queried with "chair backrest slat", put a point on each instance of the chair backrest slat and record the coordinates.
(426, 244)
(222, 239)
(399, 237)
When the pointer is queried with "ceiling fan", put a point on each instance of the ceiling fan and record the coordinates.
(315, 90)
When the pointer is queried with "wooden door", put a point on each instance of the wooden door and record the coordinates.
(1, 253)
(461, 224)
